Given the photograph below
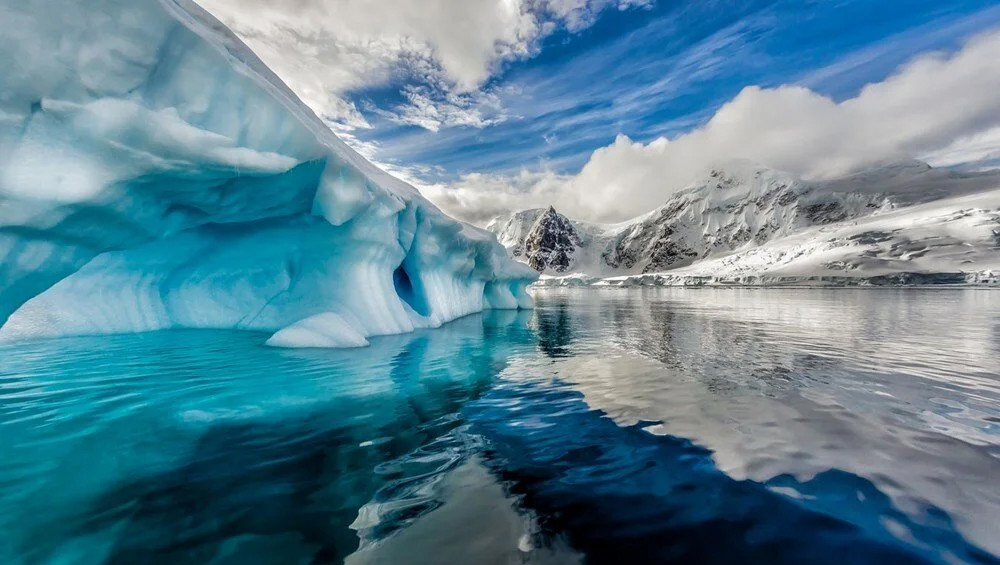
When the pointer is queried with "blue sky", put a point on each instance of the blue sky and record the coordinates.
(647, 72)
(605, 107)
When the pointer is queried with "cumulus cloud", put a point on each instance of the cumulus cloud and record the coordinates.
(479, 197)
(325, 48)
(926, 107)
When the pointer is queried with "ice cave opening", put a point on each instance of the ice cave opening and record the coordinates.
(409, 293)
(168, 179)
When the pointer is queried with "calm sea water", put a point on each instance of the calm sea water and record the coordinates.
(616, 426)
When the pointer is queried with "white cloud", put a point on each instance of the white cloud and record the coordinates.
(478, 197)
(976, 152)
(432, 111)
(580, 14)
(926, 106)
(325, 48)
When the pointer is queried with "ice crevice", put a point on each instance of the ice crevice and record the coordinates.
(154, 174)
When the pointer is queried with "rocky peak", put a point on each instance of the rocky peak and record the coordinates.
(731, 209)
(551, 243)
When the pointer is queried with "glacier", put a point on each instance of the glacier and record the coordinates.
(155, 174)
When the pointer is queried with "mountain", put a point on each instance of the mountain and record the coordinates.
(544, 239)
(746, 223)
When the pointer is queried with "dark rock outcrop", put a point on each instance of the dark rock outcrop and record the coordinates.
(551, 243)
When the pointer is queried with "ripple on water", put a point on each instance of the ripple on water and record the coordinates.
(795, 425)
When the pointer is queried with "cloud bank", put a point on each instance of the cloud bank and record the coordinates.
(324, 49)
(935, 105)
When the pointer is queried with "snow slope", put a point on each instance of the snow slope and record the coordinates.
(950, 241)
(543, 238)
(744, 224)
(155, 174)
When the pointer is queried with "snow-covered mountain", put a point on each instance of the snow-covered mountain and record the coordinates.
(746, 223)
(543, 238)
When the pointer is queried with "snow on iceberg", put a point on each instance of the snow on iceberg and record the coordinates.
(155, 174)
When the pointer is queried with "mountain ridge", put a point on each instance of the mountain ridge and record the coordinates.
(741, 209)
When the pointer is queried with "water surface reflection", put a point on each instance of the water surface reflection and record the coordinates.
(640, 426)
(897, 387)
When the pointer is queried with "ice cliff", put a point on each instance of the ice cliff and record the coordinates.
(155, 174)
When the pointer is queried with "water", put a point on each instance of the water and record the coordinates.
(617, 426)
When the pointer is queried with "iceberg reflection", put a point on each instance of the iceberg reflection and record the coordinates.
(600, 428)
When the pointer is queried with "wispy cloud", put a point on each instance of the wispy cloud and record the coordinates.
(432, 109)
(556, 114)
(895, 49)
(928, 105)
(524, 101)
(442, 51)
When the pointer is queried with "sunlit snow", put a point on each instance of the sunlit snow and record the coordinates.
(155, 174)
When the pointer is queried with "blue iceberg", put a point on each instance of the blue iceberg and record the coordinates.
(155, 174)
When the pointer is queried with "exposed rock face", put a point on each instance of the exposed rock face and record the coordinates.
(513, 229)
(733, 209)
(551, 243)
(727, 210)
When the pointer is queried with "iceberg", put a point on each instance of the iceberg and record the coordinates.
(155, 174)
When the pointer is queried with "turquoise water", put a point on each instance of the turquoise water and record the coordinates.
(617, 426)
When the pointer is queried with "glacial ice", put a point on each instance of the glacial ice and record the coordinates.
(321, 330)
(155, 174)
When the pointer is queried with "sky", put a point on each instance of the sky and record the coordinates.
(604, 108)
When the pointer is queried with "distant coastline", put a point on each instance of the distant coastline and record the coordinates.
(975, 279)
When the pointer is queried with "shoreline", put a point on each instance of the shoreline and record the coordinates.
(979, 279)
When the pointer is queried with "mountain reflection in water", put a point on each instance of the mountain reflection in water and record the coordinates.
(638, 426)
